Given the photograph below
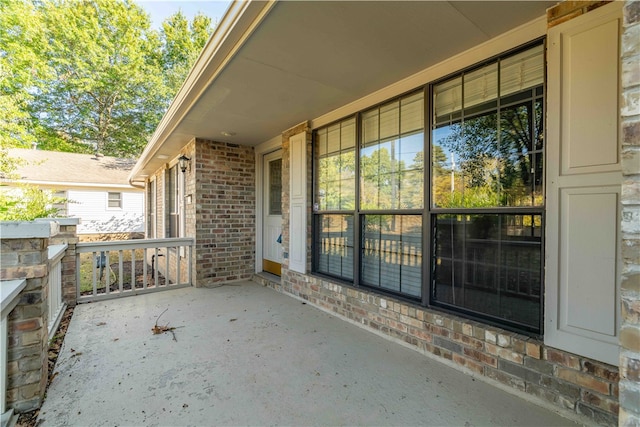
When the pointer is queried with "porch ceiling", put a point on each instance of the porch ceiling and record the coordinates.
(286, 62)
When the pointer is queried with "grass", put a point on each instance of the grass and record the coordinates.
(88, 266)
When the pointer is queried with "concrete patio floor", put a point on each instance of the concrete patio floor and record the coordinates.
(247, 355)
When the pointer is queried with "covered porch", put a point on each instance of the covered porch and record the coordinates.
(245, 354)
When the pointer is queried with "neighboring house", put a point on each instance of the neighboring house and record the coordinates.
(96, 188)
(448, 174)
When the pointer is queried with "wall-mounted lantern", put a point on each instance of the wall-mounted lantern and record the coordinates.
(183, 162)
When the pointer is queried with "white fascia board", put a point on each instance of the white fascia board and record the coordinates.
(228, 37)
(67, 185)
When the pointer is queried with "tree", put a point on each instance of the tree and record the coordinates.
(103, 90)
(27, 203)
(182, 42)
(494, 163)
(21, 69)
(90, 75)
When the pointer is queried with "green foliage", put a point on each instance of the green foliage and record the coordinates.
(90, 75)
(182, 43)
(473, 197)
(21, 67)
(28, 203)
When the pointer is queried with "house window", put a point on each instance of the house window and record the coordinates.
(391, 181)
(172, 208)
(487, 196)
(335, 151)
(369, 200)
(475, 209)
(114, 200)
(175, 226)
(151, 209)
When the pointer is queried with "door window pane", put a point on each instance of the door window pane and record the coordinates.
(275, 187)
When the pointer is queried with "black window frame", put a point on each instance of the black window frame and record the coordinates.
(429, 212)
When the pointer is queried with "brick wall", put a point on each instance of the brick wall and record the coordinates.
(27, 258)
(224, 209)
(630, 284)
(567, 10)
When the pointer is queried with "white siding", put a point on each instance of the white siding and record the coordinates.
(96, 217)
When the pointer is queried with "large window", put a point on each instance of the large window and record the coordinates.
(391, 196)
(335, 152)
(475, 210)
(487, 195)
(369, 197)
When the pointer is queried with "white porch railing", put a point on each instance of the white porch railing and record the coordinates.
(9, 291)
(118, 268)
(56, 303)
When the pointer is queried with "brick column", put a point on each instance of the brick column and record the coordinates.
(630, 117)
(67, 234)
(24, 255)
(223, 207)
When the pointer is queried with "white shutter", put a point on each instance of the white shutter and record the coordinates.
(583, 186)
(298, 203)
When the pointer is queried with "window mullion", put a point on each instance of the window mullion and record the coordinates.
(357, 231)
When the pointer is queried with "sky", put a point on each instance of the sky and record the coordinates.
(159, 10)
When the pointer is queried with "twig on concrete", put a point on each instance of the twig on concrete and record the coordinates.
(156, 330)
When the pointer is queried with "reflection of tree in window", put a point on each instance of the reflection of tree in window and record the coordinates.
(496, 158)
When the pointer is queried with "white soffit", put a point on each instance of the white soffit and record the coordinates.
(306, 58)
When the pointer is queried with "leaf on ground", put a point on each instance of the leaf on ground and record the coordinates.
(232, 320)
(156, 330)
(101, 323)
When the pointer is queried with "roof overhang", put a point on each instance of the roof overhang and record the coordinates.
(270, 65)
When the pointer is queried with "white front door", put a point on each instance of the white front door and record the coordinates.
(272, 212)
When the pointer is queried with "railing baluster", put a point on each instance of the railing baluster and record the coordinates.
(144, 268)
(178, 265)
(156, 269)
(121, 271)
(160, 260)
(94, 283)
(190, 273)
(56, 305)
(133, 270)
(107, 273)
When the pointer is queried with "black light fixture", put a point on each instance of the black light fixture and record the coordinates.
(183, 162)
